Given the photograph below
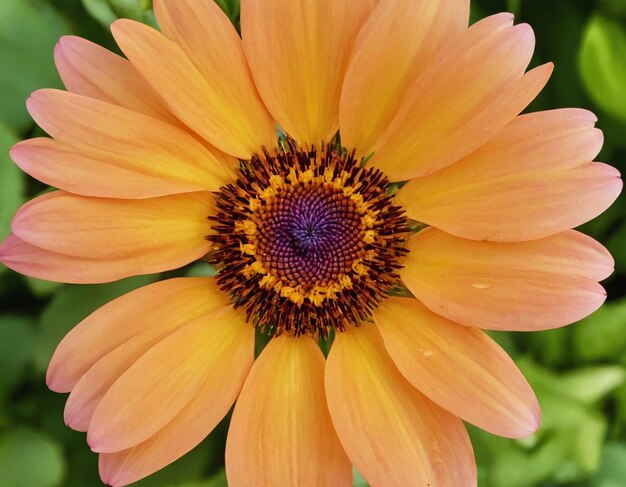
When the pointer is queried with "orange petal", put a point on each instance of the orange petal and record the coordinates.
(94, 384)
(156, 388)
(459, 368)
(197, 26)
(33, 261)
(221, 107)
(121, 321)
(533, 285)
(63, 166)
(530, 181)
(195, 421)
(461, 102)
(96, 381)
(161, 233)
(298, 52)
(90, 70)
(281, 433)
(130, 146)
(394, 435)
(395, 46)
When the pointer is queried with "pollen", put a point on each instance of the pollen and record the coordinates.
(307, 239)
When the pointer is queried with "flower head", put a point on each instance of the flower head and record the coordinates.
(404, 206)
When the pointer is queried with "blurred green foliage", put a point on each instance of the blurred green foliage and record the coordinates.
(577, 372)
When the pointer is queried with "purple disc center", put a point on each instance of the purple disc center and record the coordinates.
(311, 235)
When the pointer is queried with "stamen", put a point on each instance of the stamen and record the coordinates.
(307, 240)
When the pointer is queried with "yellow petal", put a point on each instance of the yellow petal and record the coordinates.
(162, 233)
(396, 44)
(533, 179)
(116, 144)
(166, 379)
(532, 285)
(93, 71)
(298, 52)
(215, 106)
(462, 101)
(460, 368)
(193, 423)
(394, 435)
(134, 314)
(281, 433)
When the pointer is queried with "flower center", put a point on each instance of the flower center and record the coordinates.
(312, 235)
(307, 240)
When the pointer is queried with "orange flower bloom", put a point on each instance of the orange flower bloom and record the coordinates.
(172, 156)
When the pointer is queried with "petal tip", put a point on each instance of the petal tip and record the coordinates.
(123, 24)
(108, 475)
(119, 26)
(58, 47)
(524, 431)
(524, 30)
(36, 98)
(598, 298)
(95, 444)
(533, 424)
(55, 379)
(16, 152)
(55, 385)
(588, 115)
(63, 43)
(68, 419)
(525, 424)
(615, 184)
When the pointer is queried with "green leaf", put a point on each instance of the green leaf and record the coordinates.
(614, 7)
(616, 246)
(187, 471)
(230, 8)
(514, 467)
(514, 6)
(12, 187)
(101, 11)
(40, 287)
(603, 334)
(358, 480)
(71, 304)
(107, 11)
(29, 459)
(217, 480)
(17, 340)
(551, 347)
(603, 64)
(612, 472)
(29, 29)
(476, 12)
(568, 446)
(590, 384)
(200, 269)
(130, 9)
(505, 339)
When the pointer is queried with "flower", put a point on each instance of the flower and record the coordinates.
(172, 156)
